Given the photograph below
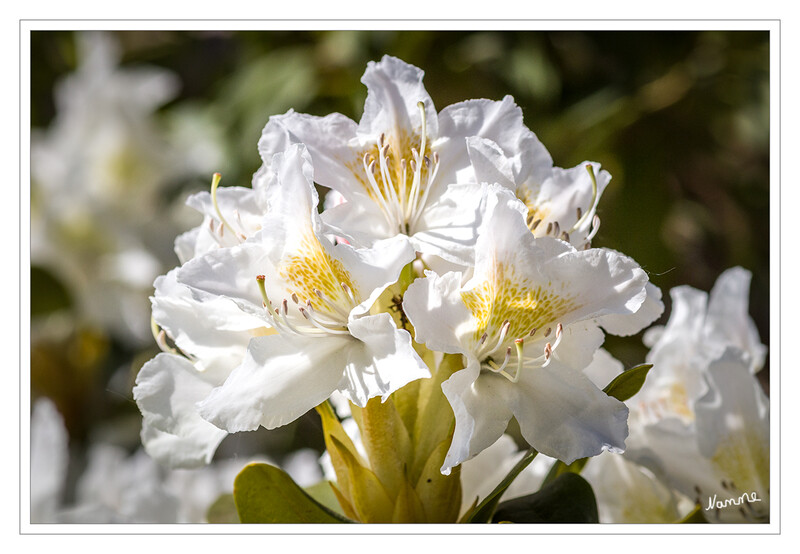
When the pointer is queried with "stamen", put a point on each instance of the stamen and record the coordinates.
(331, 304)
(349, 292)
(595, 227)
(505, 361)
(313, 318)
(260, 280)
(214, 184)
(535, 224)
(592, 204)
(161, 340)
(565, 236)
(548, 353)
(501, 338)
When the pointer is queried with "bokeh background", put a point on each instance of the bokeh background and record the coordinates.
(127, 124)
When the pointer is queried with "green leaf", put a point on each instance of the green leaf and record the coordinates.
(695, 516)
(483, 513)
(559, 468)
(367, 494)
(323, 493)
(266, 494)
(627, 383)
(440, 494)
(568, 499)
(223, 510)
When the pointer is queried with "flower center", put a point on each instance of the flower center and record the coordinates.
(538, 212)
(508, 309)
(319, 293)
(398, 186)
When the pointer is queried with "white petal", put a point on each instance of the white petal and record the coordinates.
(280, 379)
(597, 281)
(49, 461)
(733, 425)
(627, 324)
(382, 362)
(167, 390)
(603, 369)
(393, 90)
(489, 163)
(482, 413)
(358, 221)
(499, 121)
(374, 269)
(449, 226)
(628, 493)
(327, 139)
(202, 329)
(563, 414)
(434, 307)
(231, 273)
(669, 449)
(481, 474)
(728, 321)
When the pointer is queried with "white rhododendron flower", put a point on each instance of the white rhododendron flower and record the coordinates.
(701, 421)
(701, 327)
(721, 459)
(527, 322)
(561, 203)
(404, 169)
(316, 295)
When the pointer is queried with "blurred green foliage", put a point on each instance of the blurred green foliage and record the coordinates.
(680, 120)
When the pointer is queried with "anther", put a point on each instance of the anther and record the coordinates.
(295, 299)
(349, 292)
(535, 224)
(549, 228)
(533, 332)
(565, 236)
(484, 337)
(579, 212)
(556, 229)
(548, 351)
(547, 332)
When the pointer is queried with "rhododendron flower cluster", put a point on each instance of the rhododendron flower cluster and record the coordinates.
(447, 285)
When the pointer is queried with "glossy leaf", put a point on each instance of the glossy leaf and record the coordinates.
(559, 468)
(628, 383)
(568, 499)
(223, 510)
(266, 494)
